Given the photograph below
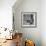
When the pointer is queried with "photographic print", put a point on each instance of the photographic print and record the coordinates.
(29, 19)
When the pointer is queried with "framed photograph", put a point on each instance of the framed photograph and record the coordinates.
(29, 19)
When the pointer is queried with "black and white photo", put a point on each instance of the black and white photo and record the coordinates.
(29, 19)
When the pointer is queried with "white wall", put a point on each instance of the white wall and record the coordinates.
(37, 34)
(28, 6)
(6, 13)
(43, 22)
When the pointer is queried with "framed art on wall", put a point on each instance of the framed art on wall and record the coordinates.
(29, 19)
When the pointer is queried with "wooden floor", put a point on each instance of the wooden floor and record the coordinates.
(9, 43)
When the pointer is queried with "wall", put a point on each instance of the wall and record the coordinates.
(6, 13)
(28, 6)
(43, 22)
